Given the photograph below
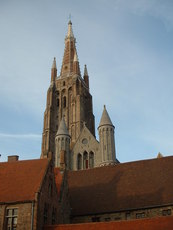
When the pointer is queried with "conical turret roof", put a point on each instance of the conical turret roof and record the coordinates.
(62, 130)
(105, 119)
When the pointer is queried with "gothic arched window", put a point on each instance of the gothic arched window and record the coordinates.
(91, 160)
(57, 102)
(64, 102)
(77, 86)
(79, 161)
(85, 160)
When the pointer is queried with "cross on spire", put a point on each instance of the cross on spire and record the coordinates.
(69, 17)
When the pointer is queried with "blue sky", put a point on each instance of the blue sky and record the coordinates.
(128, 48)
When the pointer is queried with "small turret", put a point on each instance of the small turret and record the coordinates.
(53, 71)
(86, 77)
(62, 146)
(76, 68)
(106, 137)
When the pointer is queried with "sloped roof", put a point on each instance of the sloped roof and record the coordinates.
(105, 119)
(123, 186)
(159, 223)
(20, 180)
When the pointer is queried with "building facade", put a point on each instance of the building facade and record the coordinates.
(69, 123)
(29, 197)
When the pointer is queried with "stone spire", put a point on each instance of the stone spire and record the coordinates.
(70, 53)
(86, 77)
(54, 63)
(70, 31)
(76, 68)
(62, 130)
(53, 71)
(85, 71)
(75, 57)
(105, 119)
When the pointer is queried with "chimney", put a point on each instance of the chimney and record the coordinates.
(13, 158)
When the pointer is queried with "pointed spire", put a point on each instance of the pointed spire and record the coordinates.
(75, 57)
(70, 54)
(85, 71)
(62, 130)
(70, 31)
(54, 63)
(53, 71)
(86, 77)
(105, 119)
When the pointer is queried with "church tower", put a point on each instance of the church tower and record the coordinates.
(68, 97)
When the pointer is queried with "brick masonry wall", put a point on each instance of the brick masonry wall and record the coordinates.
(148, 213)
(64, 201)
(2, 211)
(52, 202)
(24, 215)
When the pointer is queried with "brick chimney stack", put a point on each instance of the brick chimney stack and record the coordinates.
(13, 158)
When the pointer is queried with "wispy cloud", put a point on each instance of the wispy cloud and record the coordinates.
(155, 8)
(20, 136)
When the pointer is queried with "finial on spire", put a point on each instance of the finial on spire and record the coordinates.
(70, 31)
(104, 106)
(85, 71)
(54, 63)
(69, 22)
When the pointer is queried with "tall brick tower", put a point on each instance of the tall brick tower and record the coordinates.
(68, 97)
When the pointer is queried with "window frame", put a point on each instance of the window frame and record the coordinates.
(12, 216)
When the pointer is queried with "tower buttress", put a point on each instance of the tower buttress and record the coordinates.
(62, 147)
(107, 141)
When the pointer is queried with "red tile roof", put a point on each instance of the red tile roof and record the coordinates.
(58, 179)
(160, 223)
(20, 180)
(124, 186)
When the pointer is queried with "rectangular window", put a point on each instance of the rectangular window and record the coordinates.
(117, 218)
(11, 218)
(128, 216)
(53, 215)
(140, 215)
(50, 189)
(45, 216)
(96, 219)
(107, 219)
(166, 212)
